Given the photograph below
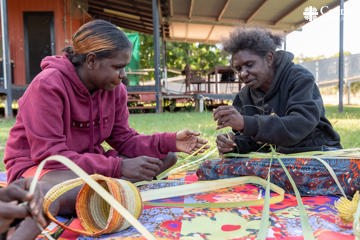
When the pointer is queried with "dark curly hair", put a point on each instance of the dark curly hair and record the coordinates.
(98, 36)
(257, 40)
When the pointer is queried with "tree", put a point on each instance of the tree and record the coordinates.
(200, 56)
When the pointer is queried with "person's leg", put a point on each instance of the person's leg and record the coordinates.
(65, 203)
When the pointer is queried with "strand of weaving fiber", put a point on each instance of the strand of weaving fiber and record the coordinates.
(356, 223)
(206, 186)
(186, 166)
(97, 188)
(264, 224)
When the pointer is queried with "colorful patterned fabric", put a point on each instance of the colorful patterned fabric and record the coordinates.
(311, 176)
(228, 223)
(3, 179)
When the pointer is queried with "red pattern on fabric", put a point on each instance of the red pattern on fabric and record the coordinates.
(229, 227)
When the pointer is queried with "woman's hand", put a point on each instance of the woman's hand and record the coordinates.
(225, 143)
(11, 208)
(228, 116)
(187, 141)
(140, 168)
(9, 211)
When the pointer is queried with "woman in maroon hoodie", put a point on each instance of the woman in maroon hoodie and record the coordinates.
(75, 104)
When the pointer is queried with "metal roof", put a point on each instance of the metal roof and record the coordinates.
(206, 21)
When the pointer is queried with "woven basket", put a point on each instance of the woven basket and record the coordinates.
(95, 215)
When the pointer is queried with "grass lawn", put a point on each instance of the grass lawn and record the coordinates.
(346, 123)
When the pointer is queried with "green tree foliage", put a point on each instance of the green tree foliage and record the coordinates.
(199, 56)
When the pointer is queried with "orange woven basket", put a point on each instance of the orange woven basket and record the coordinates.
(95, 215)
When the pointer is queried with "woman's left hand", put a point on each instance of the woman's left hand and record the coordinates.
(188, 141)
(11, 208)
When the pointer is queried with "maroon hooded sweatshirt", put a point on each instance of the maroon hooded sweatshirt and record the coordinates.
(58, 115)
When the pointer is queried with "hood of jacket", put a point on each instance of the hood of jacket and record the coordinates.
(283, 62)
(63, 64)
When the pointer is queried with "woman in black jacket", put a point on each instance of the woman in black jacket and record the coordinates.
(280, 104)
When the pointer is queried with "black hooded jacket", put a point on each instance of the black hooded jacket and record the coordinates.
(290, 116)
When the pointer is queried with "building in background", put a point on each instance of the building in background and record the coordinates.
(36, 29)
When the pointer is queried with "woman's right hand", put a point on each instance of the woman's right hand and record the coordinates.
(228, 116)
(225, 142)
(140, 168)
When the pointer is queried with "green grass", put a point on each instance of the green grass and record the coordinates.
(346, 123)
(5, 125)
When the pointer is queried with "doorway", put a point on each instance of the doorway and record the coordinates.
(38, 39)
